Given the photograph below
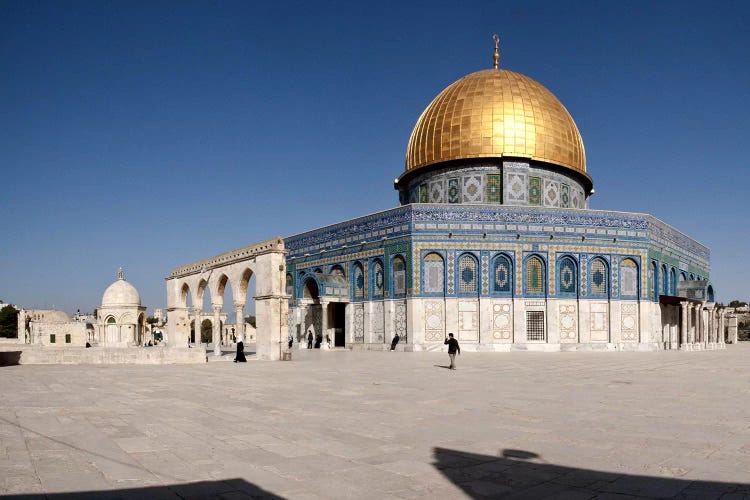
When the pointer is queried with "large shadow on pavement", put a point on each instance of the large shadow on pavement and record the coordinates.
(525, 475)
(10, 358)
(228, 488)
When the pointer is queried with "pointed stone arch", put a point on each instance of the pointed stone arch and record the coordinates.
(265, 261)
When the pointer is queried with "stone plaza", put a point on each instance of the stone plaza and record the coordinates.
(348, 424)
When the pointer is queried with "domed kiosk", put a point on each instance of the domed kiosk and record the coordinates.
(121, 320)
(494, 242)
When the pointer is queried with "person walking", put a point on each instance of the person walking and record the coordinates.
(309, 339)
(240, 356)
(453, 348)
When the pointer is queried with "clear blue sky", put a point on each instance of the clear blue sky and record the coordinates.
(151, 134)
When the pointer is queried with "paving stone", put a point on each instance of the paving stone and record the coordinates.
(372, 425)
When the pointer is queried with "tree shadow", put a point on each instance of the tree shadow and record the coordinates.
(525, 475)
(228, 488)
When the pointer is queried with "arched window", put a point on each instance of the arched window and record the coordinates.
(337, 270)
(567, 284)
(653, 275)
(598, 277)
(710, 292)
(535, 282)
(628, 278)
(359, 281)
(433, 275)
(692, 277)
(378, 278)
(502, 275)
(664, 280)
(467, 274)
(399, 276)
(683, 276)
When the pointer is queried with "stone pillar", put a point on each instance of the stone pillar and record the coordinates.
(197, 311)
(216, 330)
(684, 310)
(271, 303)
(239, 319)
(324, 324)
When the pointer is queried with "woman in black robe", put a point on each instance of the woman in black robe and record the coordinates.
(240, 353)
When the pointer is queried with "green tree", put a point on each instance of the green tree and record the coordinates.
(737, 303)
(8, 322)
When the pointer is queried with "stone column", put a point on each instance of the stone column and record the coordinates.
(684, 325)
(216, 330)
(239, 319)
(324, 324)
(197, 318)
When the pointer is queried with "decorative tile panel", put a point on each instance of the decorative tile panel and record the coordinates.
(399, 320)
(502, 321)
(551, 193)
(535, 191)
(434, 317)
(437, 192)
(359, 323)
(472, 189)
(451, 272)
(629, 319)
(378, 322)
(424, 195)
(485, 274)
(454, 190)
(494, 189)
(468, 320)
(568, 317)
(565, 196)
(599, 321)
(516, 190)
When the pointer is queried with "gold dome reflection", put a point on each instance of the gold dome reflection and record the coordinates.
(496, 113)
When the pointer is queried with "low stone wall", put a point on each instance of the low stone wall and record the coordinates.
(21, 354)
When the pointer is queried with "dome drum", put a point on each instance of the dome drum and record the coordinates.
(516, 182)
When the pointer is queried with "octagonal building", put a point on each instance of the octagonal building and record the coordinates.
(494, 242)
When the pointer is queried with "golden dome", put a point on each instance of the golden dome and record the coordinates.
(496, 113)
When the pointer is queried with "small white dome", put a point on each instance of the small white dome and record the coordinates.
(121, 293)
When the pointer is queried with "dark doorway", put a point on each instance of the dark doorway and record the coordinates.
(339, 323)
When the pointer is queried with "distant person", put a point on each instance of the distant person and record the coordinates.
(240, 357)
(291, 341)
(189, 346)
(88, 345)
(453, 348)
(309, 339)
(318, 340)
(394, 342)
